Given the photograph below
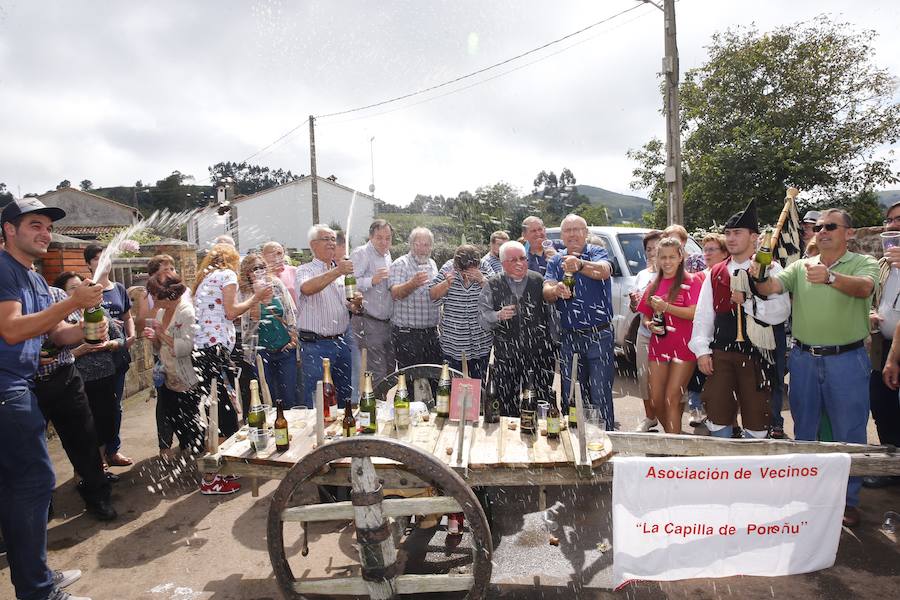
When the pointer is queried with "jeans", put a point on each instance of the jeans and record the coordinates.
(778, 384)
(119, 387)
(281, 375)
(596, 369)
(840, 385)
(338, 352)
(26, 483)
(884, 404)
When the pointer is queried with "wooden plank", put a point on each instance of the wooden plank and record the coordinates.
(516, 448)
(485, 449)
(378, 555)
(640, 444)
(566, 437)
(549, 452)
(405, 584)
(391, 508)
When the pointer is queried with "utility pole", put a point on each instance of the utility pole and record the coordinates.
(312, 169)
(673, 119)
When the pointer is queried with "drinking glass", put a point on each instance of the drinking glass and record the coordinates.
(890, 239)
(595, 429)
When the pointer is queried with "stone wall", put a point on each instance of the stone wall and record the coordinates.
(867, 241)
(140, 375)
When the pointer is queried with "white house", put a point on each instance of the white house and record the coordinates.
(284, 214)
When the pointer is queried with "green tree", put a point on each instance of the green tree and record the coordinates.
(65, 183)
(171, 194)
(86, 185)
(5, 195)
(557, 196)
(594, 214)
(803, 105)
(250, 179)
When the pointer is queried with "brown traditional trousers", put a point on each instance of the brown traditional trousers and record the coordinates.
(733, 385)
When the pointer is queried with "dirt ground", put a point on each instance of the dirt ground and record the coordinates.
(171, 543)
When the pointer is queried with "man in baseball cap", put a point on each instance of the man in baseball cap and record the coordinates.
(806, 228)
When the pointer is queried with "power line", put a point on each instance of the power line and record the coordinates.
(482, 70)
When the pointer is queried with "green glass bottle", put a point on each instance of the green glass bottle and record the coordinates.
(401, 404)
(569, 282)
(443, 392)
(93, 325)
(349, 286)
(367, 420)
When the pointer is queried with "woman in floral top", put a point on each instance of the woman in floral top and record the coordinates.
(270, 329)
(216, 304)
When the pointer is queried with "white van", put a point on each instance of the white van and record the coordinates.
(625, 246)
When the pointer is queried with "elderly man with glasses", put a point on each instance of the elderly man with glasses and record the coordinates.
(885, 316)
(323, 315)
(829, 366)
(512, 306)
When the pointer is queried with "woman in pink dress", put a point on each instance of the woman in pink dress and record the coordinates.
(672, 296)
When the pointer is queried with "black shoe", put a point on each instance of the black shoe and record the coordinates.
(111, 477)
(873, 481)
(101, 509)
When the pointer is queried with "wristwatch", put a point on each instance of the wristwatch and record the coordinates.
(831, 278)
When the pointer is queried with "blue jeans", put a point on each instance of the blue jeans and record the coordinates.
(778, 384)
(26, 483)
(119, 387)
(312, 354)
(596, 369)
(840, 385)
(281, 376)
(477, 366)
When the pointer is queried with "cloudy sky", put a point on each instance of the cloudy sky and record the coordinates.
(116, 92)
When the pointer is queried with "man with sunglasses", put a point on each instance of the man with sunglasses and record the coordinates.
(829, 367)
(884, 317)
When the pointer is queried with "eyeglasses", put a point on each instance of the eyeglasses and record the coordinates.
(516, 259)
(326, 239)
(890, 220)
(827, 227)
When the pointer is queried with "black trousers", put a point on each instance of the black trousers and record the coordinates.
(101, 394)
(513, 371)
(64, 403)
(181, 415)
(212, 362)
(416, 346)
(884, 404)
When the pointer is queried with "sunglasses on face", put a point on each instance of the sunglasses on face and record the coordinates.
(826, 227)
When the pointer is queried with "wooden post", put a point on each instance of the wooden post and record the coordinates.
(212, 431)
(263, 385)
(461, 436)
(579, 413)
(465, 366)
(320, 414)
(312, 171)
(377, 553)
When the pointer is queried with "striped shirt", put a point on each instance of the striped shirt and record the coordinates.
(492, 263)
(64, 356)
(324, 313)
(416, 311)
(460, 329)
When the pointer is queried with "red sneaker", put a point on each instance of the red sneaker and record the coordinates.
(219, 486)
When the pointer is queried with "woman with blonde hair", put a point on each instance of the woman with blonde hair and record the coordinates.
(673, 294)
(270, 329)
(216, 305)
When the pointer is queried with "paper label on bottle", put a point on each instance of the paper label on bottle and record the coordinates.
(281, 437)
(401, 416)
(552, 425)
(364, 419)
(443, 403)
(527, 420)
(93, 332)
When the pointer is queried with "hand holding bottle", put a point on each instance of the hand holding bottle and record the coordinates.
(88, 294)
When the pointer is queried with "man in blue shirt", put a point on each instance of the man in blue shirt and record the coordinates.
(585, 316)
(26, 473)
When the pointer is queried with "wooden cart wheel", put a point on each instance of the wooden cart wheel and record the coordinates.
(382, 575)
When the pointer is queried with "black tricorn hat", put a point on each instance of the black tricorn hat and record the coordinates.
(745, 219)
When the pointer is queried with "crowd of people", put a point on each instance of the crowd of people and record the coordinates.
(713, 340)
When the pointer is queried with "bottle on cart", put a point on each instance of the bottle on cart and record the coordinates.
(329, 394)
(256, 420)
(282, 437)
(528, 410)
(573, 413)
(367, 421)
(401, 404)
(443, 392)
(491, 400)
(348, 424)
(553, 419)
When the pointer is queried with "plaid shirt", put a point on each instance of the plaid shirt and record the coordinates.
(416, 311)
(65, 356)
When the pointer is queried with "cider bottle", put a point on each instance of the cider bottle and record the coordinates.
(282, 438)
(528, 411)
(329, 395)
(443, 392)
(401, 404)
(348, 425)
(367, 420)
(553, 420)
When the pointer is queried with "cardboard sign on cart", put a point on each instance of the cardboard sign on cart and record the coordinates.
(473, 404)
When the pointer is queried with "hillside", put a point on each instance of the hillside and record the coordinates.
(888, 197)
(621, 207)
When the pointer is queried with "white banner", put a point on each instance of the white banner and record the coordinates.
(694, 517)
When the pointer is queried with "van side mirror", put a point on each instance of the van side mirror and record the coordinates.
(616, 270)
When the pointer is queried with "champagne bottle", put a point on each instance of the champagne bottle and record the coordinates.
(443, 392)
(658, 325)
(573, 412)
(256, 420)
(329, 395)
(491, 401)
(569, 282)
(553, 420)
(401, 404)
(528, 411)
(282, 438)
(367, 420)
(349, 286)
(348, 425)
(93, 325)
(764, 256)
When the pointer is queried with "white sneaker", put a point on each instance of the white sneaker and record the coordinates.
(698, 417)
(646, 425)
(63, 579)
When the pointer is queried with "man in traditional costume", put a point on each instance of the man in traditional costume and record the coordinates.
(733, 337)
